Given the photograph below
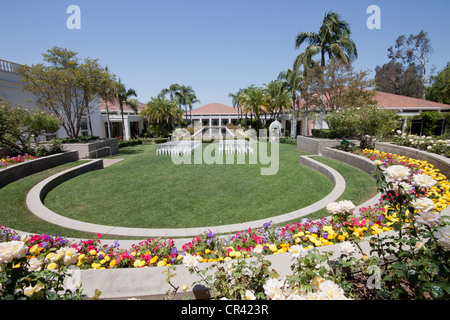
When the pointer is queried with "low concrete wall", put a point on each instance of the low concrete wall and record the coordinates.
(316, 145)
(439, 162)
(21, 170)
(354, 160)
(94, 150)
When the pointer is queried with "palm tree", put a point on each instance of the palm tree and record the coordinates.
(124, 96)
(291, 81)
(186, 96)
(236, 102)
(159, 110)
(333, 39)
(108, 94)
(277, 97)
(253, 101)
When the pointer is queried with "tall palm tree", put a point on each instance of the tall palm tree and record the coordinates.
(108, 94)
(292, 80)
(333, 39)
(123, 96)
(186, 97)
(236, 103)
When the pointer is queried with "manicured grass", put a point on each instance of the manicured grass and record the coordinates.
(150, 191)
(14, 213)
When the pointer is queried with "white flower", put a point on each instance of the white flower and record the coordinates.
(258, 249)
(11, 250)
(249, 295)
(190, 261)
(334, 208)
(429, 218)
(423, 205)
(443, 236)
(35, 264)
(328, 290)
(296, 251)
(424, 181)
(346, 206)
(273, 288)
(377, 163)
(397, 173)
(29, 291)
(347, 248)
(406, 187)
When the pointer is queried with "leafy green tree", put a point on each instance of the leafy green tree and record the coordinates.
(439, 90)
(65, 86)
(414, 49)
(394, 78)
(19, 126)
(357, 122)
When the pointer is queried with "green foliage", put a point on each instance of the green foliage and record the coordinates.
(359, 122)
(20, 126)
(17, 282)
(420, 268)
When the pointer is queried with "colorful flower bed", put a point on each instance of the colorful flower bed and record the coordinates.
(54, 252)
(8, 161)
(425, 143)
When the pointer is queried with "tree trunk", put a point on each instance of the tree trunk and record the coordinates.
(107, 119)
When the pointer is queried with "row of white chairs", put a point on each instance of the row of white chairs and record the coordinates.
(178, 147)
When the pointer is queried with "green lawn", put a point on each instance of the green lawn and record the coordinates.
(14, 213)
(150, 191)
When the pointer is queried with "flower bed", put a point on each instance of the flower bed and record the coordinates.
(8, 161)
(425, 143)
(401, 176)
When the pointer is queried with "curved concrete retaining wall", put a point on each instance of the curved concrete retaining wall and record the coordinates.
(354, 160)
(21, 170)
(439, 162)
(316, 145)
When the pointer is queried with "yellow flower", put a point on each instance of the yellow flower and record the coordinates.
(184, 287)
(139, 263)
(93, 252)
(273, 248)
(112, 263)
(52, 266)
(35, 249)
(161, 263)
(153, 260)
(50, 256)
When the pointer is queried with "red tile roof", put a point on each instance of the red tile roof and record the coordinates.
(214, 108)
(395, 101)
(114, 106)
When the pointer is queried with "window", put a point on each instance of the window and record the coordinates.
(84, 127)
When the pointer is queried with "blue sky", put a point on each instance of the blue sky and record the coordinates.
(214, 46)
